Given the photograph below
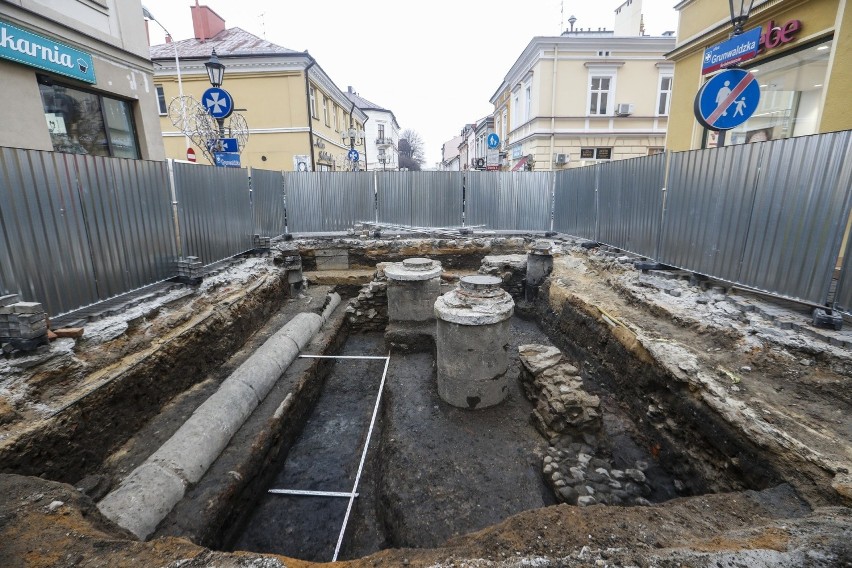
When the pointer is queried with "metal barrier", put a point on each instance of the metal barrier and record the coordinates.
(267, 203)
(509, 201)
(420, 199)
(79, 229)
(770, 216)
(575, 210)
(214, 210)
(328, 201)
(630, 192)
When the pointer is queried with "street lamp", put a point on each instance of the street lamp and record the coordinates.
(740, 16)
(216, 75)
(355, 136)
(215, 70)
(146, 13)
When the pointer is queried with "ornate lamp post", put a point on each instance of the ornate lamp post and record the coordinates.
(739, 16)
(216, 75)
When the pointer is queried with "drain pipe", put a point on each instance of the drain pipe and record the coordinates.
(152, 490)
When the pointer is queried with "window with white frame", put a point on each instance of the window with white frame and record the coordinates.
(313, 100)
(325, 116)
(600, 95)
(664, 96)
(516, 109)
(503, 123)
(527, 102)
(336, 118)
(161, 100)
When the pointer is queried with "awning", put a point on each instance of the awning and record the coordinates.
(521, 163)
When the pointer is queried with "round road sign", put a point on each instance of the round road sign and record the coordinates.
(353, 155)
(727, 100)
(190, 155)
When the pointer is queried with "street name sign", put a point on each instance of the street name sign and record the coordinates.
(227, 159)
(731, 52)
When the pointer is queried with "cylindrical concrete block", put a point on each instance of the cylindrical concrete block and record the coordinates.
(539, 267)
(413, 286)
(472, 342)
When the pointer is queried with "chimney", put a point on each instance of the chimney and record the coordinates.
(205, 22)
(350, 89)
(168, 38)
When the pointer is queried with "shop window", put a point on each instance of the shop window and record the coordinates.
(791, 88)
(600, 95)
(161, 101)
(81, 122)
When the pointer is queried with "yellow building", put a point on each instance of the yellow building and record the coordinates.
(803, 69)
(584, 97)
(296, 115)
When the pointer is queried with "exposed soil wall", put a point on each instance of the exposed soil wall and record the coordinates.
(75, 440)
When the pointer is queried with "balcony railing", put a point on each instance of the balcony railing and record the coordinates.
(384, 142)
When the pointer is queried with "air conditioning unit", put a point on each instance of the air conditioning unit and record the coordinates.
(623, 109)
(561, 159)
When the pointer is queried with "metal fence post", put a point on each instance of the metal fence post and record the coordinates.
(175, 216)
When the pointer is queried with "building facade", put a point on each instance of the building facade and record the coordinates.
(77, 79)
(381, 139)
(450, 161)
(584, 97)
(803, 69)
(296, 115)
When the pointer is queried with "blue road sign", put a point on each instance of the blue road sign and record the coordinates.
(217, 102)
(224, 145)
(493, 140)
(227, 159)
(731, 52)
(353, 155)
(727, 100)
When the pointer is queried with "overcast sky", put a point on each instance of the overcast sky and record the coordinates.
(435, 63)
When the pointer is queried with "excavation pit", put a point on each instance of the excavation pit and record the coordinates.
(613, 412)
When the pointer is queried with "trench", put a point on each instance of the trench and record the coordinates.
(433, 471)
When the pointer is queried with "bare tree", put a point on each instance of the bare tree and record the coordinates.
(411, 154)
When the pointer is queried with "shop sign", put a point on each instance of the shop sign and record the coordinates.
(44, 53)
(778, 35)
(516, 152)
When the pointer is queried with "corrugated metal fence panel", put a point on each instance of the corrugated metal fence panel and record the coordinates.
(630, 192)
(575, 209)
(708, 204)
(147, 232)
(267, 194)
(215, 211)
(420, 199)
(530, 196)
(482, 198)
(328, 201)
(843, 295)
(800, 211)
(44, 253)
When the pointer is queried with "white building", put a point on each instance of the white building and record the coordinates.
(381, 138)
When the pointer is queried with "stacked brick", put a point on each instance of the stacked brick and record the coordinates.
(369, 311)
(511, 269)
(259, 242)
(22, 324)
(190, 268)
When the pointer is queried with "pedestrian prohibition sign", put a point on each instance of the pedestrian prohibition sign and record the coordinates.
(727, 100)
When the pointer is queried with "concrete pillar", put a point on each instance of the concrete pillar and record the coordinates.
(472, 342)
(413, 286)
(539, 267)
